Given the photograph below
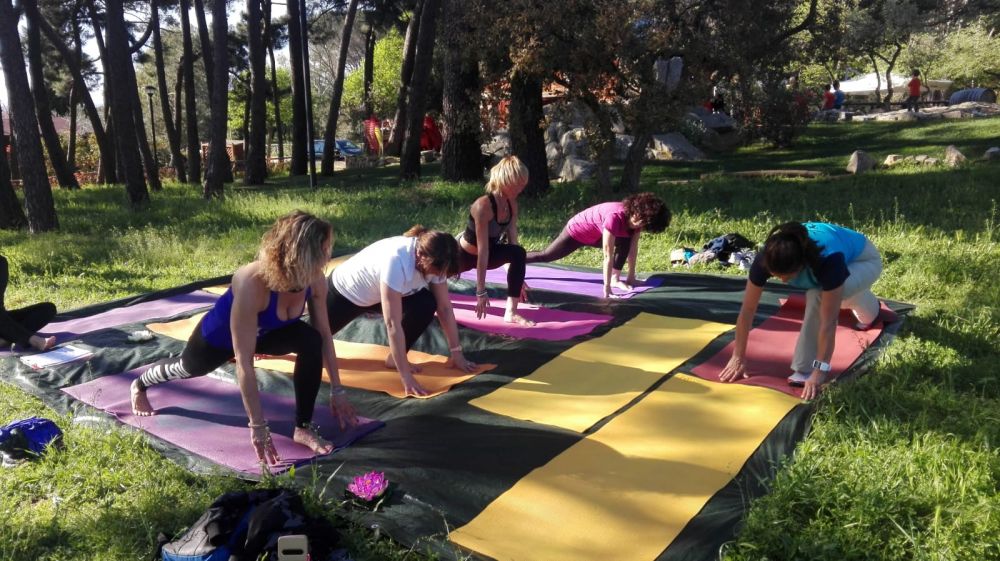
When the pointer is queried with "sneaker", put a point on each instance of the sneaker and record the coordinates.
(798, 379)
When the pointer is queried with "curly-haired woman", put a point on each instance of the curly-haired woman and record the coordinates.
(260, 313)
(615, 227)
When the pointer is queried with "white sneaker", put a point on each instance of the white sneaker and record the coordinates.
(798, 379)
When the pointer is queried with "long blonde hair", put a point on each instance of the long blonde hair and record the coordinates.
(291, 252)
(511, 171)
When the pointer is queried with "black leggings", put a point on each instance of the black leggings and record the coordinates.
(564, 244)
(200, 358)
(17, 326)
(418, 311)
(500, 254)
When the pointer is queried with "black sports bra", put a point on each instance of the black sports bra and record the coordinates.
(496, 229)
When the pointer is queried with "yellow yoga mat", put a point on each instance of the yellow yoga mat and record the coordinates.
(597, 377)
(627, 490)
(361, 365)
(330, 266)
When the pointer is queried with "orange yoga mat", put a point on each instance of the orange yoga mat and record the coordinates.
(361, 365)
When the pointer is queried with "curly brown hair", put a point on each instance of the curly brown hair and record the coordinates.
(438, 249)
(291, 252)
(649, 210)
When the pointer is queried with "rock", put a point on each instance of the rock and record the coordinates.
(893, 159)
(428, 156)
(577, 168)
(932, 162)
(953, 156)
(721, 142)
(622, 143)
(921, 158)
(554, 132)
(497, 147)
(574, 143)
(959, 114)
(719, 122)
(845, 116)
(992, 154)
(554, 158)
(673, 146)
(860, 162)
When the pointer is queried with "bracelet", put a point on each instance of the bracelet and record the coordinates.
(457, 349)
(338, 390)
(260, 425)
(482, 294)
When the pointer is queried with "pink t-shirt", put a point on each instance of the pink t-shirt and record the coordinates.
(588, 225)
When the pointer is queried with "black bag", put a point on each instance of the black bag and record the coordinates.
(723, 246)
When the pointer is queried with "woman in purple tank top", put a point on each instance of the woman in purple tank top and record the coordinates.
(260, 314)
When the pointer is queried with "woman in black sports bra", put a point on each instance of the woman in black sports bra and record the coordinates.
(490, 238)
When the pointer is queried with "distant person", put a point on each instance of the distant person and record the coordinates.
(405, 278)
(20, 326)
(718, 102)
(615, 228)
(490, 238)
(837, 268)
(914, 86)
(838, 96)
(261, 314)
(828, 97)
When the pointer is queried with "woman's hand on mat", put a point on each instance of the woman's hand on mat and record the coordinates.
(813, 385)
(411, 387)
(483, 306)
(344, 412)
(460, 362)
(260, 437)
(524, 293)
(735, 369)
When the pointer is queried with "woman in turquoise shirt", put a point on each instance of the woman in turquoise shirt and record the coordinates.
(837, 268)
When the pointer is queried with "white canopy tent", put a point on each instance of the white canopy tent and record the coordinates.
(864, 86)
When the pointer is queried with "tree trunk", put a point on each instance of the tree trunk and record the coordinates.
(601, 140)
(366, 98)
(394, 143)
(206, 44)
(409, 162)
(113, 168)
(527, 139)
(124, 101)
(149, 163)
(11, 214)
(255, 170)
(173, 140)
(275, 92)
(178, 112)
(190, 102)
(218, 160)
(43, 111)
(72, 62)
(634, 162)
(330, 135)
(890, 65)
(298, 163)
(41, 211)
(461, 156)
(71, 144)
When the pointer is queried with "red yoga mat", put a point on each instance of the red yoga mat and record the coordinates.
(771, 345)
(205, 416)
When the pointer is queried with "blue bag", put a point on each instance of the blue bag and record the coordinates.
(24, 439)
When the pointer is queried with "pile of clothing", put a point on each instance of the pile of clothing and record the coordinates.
(730, 249)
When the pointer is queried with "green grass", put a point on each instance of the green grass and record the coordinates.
(900, 464)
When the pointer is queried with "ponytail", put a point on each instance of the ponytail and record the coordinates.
(789, 248)
(416, 231)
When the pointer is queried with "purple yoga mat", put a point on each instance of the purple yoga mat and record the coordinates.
(550, 325)
(162, 308)
(205, 416)
(562, 280)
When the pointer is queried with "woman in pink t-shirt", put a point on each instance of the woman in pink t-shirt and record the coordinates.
(615, 227)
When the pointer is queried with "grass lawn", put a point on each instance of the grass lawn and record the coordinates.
(901, 464)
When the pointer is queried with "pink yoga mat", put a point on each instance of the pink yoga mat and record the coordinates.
(205, 416)
(550, 325)
(562, 280)
(771, 346)
(162, 308)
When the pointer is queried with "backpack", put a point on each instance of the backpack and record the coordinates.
(240, 526)
(723, 246)
(24, 439)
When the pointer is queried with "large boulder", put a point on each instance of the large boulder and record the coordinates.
(721, 141)
(719, 122)
(497, 147)
(555, 131)
(673, 146)
(622, 143)
(860, 162)
(574, 143)
(893, 159)
(953, 156)
(554, 157)
(992, 154)
(577, 168)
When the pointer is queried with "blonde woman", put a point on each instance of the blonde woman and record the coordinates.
(490, 238)
(260, 313)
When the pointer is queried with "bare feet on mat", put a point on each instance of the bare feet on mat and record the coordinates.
(623, 286)
(514, 317)
(42, 343)
(307, 436)
(140, 403)
(390, 363)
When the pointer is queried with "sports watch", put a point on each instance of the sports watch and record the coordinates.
(821, 366)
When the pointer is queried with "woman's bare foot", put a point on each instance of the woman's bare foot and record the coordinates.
(306, 436)
(42, 344)
(390, 363)
(141, 407)
(514, 317)
(621, 285)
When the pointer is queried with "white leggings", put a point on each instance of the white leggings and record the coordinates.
(857, 297)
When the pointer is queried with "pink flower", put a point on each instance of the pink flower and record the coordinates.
(369, 486)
